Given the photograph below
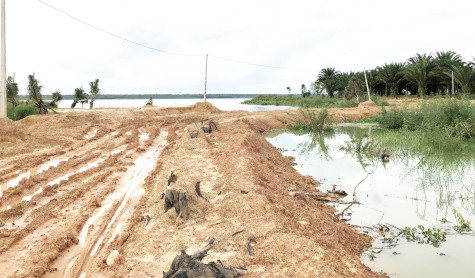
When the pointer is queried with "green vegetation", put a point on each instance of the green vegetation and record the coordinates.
(421, 74)
(34, 94)
(12, 91)
(34, 104)
(311, 122)
(79, 96)
(20, 111)
(313, 101)
(462, 224)
(94, 91)
(433, 237)
(55, 98)
(447, 124)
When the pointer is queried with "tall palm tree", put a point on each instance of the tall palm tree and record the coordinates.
(329, 78)
(420, 70)
(79, 95)
(464, 76)
(445, 60)
(94, 91)
(12, 90)
(34, 94)
(391, 75)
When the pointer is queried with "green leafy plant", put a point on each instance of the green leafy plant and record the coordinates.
(462, 224)
(433, 237)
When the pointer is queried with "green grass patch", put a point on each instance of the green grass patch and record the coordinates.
(311, 122)
(298, 101)
(443, 125)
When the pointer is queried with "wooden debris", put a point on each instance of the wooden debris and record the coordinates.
(179, 201)
(172, 179)
(185, 265)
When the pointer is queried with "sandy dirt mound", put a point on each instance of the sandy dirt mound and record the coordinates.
(91, 194)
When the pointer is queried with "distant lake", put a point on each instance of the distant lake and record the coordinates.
(226, 104)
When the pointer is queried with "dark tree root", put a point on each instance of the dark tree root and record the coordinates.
(186, 266)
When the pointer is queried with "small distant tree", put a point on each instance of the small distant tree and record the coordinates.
(79, 95)
(289, 90)
(316, 88)
(55, 98)
(354, 89)
(94, 91)
(305, 93)
(34, 94)
(150, 101)
(12, 91)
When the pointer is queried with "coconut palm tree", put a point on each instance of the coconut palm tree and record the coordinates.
(94, 91)
(329, 78)
(79, 95)
(55, 98)
(12, 91)
(34, 94)
(391, 75)
(420, 70)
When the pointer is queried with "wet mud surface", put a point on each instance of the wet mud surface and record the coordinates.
(91, 198)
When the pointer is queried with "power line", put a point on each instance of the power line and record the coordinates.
(169, 52)
(117, 36)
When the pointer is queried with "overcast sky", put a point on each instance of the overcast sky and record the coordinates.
(305, 35)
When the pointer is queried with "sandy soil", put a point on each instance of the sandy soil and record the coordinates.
(79, 188)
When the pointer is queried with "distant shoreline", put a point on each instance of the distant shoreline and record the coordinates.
(157, 96)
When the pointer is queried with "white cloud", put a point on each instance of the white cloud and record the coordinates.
(348, 35)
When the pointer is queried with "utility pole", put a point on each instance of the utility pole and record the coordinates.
(453, 85)
(367, 87)
(3, 71)
(206, 77)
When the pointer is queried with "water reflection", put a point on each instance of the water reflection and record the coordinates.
(405, 189)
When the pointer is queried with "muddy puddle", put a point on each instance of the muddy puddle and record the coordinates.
(416, 192)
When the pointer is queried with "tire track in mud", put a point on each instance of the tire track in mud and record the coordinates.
(114, 213)
(33, 221)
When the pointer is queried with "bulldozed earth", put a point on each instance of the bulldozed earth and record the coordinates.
(122, 192)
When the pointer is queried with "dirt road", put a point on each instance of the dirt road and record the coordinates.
(82, 195)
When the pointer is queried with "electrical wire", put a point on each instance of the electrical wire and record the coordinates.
(117, 36)
(165, 51)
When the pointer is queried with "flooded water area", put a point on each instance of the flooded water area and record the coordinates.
(417, 208)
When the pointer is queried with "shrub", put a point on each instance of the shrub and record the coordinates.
(23, 110)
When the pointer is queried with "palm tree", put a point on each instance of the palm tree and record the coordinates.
(34, 94)
(94, 91)
(329, 78)
(445, 60)
(79, 95)
(391, 75)
(55, 98)
(12, 91)
(464, 76)
(420, 70)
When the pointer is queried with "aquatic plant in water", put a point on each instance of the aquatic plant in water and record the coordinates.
(433, 237)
